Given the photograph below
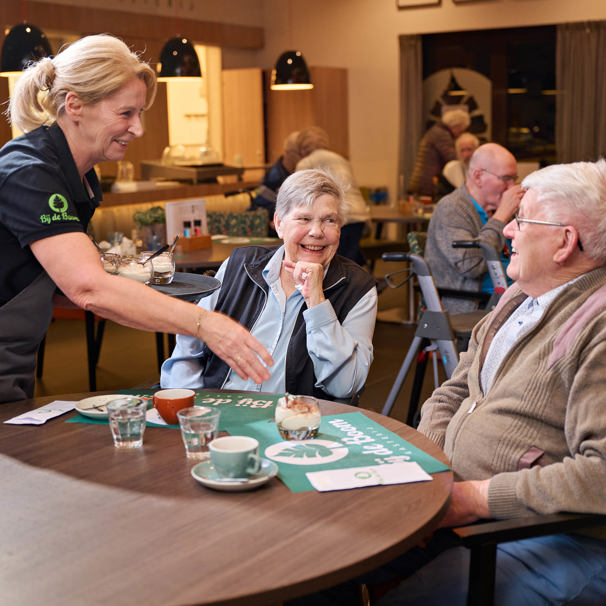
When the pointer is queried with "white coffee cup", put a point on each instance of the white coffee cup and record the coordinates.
(235, 456)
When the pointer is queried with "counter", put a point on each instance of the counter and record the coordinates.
(174, 193)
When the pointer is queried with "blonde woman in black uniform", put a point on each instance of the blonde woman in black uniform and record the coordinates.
(82, 107)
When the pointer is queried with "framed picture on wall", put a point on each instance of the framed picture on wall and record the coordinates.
(416, 3)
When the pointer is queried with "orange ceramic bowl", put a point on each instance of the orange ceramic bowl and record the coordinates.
(168, 401)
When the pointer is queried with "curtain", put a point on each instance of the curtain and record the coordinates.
(581, 84)
(411, 106)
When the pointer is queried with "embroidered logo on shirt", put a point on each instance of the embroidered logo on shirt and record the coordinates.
(58, 204)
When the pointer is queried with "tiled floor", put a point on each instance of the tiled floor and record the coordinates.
(128, 358)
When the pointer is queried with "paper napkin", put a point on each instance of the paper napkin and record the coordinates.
(41, 415)
(357, 477)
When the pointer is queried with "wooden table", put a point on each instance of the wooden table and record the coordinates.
(84, 523)
(387, 214)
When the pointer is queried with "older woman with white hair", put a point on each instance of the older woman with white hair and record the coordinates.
(312, 309)
(81, 107)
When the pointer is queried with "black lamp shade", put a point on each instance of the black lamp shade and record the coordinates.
(179, 58)
(23, 44)
(291, 72)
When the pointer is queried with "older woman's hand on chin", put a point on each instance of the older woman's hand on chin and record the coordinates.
(308, 278)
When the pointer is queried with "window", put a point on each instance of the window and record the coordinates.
(520, 65)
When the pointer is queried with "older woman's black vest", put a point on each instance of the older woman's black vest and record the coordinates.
(243, 296)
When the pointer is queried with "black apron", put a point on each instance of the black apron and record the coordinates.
(24, 321)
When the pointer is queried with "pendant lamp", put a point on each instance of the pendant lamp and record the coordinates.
(291, 72)
(23, 44)
(178, 59)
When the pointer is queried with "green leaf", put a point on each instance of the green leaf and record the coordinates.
(151, 216)
(306, 451)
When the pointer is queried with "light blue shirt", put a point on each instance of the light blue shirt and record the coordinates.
(341, 353)
(487, 284)
(525, 317)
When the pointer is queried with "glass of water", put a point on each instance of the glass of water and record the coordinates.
(199, 426)
(127, 421)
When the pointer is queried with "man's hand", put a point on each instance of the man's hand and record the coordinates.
(236, 346)
(468, 503)
(509, 204)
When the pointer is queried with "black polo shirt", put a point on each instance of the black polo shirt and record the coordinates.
(41, 195)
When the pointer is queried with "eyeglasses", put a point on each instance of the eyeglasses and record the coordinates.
(505, 178)
(537, 222)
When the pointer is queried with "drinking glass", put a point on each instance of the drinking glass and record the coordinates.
(127, 421)
(110, 262)
(163, 267)
(199, 426)
(298, 417)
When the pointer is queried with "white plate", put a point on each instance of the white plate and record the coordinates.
(206, 474)
(94, 408)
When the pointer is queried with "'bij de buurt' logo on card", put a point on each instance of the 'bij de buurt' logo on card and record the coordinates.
(57, 203)
(309, 452)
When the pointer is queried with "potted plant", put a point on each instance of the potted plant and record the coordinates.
(151, 225)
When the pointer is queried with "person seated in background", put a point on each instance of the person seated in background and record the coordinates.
(455, 171)
(521, 418)
(313, 145)
(479, 210)
(274, 177)
(436, 148)
(314, 310)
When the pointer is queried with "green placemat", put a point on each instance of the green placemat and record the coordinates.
(237, 409)
(346, 440)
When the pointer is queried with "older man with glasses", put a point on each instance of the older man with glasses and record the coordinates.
(522, 418)
(479, 209)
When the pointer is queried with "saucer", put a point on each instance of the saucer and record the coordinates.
(206, 474)
(94, 407)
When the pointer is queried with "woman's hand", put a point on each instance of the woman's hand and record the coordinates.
(308, 278)
(235, 345)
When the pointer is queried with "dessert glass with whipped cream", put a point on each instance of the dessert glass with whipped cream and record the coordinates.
(110, 262)
(298, 417)
(133, 268)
